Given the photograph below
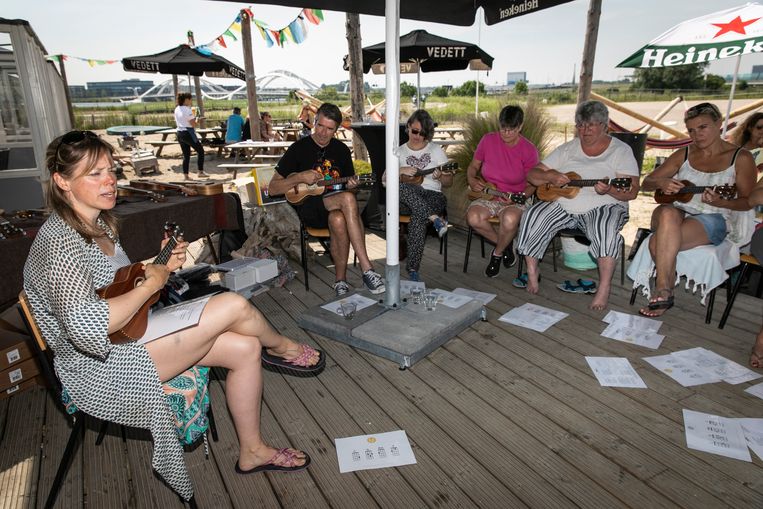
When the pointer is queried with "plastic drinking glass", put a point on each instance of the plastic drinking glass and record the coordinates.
(347, 309)
(431, 301)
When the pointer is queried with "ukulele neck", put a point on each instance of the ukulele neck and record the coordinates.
(164, 255)
(333, 182)
(586, 182)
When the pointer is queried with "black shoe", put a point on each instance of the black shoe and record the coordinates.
(509, 259)
(494, 266)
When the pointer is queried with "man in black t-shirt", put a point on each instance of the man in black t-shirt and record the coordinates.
(320, 156)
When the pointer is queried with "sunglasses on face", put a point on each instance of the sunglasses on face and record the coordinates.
(72, 138)
(417, 132)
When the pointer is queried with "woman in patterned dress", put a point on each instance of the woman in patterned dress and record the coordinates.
(77, 251)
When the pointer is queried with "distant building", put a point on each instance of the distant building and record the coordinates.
(757, 72)
(77, 91)
(512, 78)
(118, 88)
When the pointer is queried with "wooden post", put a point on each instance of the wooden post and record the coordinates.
(251, 83)
(66, 90)
(589, 50)
(354, 51)
(175, 86)
(199, 101)
(661, 114)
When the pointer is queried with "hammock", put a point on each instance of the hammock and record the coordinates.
(652, 142)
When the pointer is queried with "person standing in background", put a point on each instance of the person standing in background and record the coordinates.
(186, 134)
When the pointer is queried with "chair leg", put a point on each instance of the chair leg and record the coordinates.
(710, 302)
(303, 248)
(444, 251)
(102, 432)
(468, 246)
(553, 251)
(78, 432)
(733, 296)
(633, 295)
(520, 265)
(482, 245)
(212, 425)
(622, 260)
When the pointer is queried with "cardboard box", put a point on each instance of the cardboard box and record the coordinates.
(19, 373)
(21, 387)
(14, 348)
(10, 319)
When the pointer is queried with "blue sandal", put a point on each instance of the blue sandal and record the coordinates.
(521, 281)
(582, 286)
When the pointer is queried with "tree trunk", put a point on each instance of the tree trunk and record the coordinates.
(175, 86)
(589, 50)
(251, 83)
(354, 51)
(199, 101)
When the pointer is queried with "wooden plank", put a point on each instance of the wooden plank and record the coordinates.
(148, 488)
(106, 473)
(56, 435)
(20, 451)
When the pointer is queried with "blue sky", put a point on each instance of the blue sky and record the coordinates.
(547, 45)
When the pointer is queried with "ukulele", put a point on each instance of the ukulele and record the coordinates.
(685, 194)
(204, 188)
(490, 192)
(125, 191)
(298, 193)
(418, 177)
(152, 185)
(131, 276)
(547, 192)
(10, 231)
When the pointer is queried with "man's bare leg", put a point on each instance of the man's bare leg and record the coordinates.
(340, 243)
(348, 205)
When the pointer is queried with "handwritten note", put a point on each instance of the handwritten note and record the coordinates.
(632, 321)
(709, 361)
(450, 299)
(683, 372)
(483, 297)
(627, 334)
(716, 435)
(361, 302)
(615, 372)
(753, 434)
(173, 318)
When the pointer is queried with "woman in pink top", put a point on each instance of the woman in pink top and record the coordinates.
(502, 160)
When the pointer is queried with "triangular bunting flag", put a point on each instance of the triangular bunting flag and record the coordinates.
(221, 41)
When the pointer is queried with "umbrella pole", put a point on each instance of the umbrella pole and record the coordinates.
(391, 134)
(731, 94)
(418, 86)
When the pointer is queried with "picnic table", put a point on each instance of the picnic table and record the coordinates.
(216, 133)
(132, 130)
(449, 132)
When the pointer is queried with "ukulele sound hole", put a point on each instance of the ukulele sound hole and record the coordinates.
(138, 281)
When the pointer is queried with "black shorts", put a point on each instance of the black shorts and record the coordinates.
(313, 213)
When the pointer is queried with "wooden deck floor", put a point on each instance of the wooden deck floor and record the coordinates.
(499, 417)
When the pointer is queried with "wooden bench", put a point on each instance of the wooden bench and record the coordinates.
(236, 166)
(161, 145)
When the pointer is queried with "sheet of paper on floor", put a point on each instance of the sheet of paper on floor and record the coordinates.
(682, 371)
(361, 302)
(380, 450)
(531, 316)
(483, 297)
(406, 286)
(450, 299)
(174, 318)
(716, 435)
(756, 390)
(753, 434)
(632, 321)
(707, 360)
(615, 372)
(641, 337)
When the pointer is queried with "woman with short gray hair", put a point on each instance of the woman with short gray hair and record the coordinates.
(600, 211)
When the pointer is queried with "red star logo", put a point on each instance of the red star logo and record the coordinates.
(735, 25)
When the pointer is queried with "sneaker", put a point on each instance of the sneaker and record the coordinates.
(373, 281)
(509, 259)
(341, 288)
(413, 275)
(441, 225)
(494, 266)
(203, 175)
(187, 177)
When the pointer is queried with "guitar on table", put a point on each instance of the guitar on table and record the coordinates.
(489, 192)
(129, 277)
(130, 191)
(298, 193)
(152, 185)
(418, 177)
(685, 194)
(548, 192)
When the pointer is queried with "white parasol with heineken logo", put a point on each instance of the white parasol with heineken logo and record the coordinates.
(724, 34)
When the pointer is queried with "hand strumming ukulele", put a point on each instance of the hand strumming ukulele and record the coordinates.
(418, 177)
(298, 193)
(547, 192)
(685, 194)
(131, 276)
(489, 192)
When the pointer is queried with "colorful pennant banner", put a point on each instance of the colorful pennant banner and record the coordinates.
(296, 31)
(92, 62)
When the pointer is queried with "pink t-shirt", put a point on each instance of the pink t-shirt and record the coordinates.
(506, 167)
